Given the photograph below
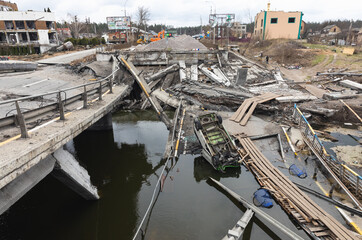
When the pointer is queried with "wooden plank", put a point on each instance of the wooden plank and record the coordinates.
(245, 119)
(338, 229)
(270, 173)
(316, 229)
(320, 234)
(245, 108)
(236, 114)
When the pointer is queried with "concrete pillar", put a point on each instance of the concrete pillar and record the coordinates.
(68, 171)
(13, 191)
(7, 37)
(27, 35)
(17, 37)
(105, 123)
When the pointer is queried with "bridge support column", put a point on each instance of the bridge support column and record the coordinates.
(16, 189)
(105, 123)
(68, 171)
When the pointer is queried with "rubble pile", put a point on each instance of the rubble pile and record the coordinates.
(180, 43)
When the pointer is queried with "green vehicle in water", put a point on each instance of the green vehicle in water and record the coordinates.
(218, 148)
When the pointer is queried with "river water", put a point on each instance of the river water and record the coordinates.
(125, 163)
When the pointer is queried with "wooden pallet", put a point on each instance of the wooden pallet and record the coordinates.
(247, 108)
(296, 203)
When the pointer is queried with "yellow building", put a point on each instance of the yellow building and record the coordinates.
(278, 24)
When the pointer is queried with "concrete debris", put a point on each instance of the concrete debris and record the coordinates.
(194, 73)
(295, 99)
(340, 95)
(163, 73)
(17, 66)
(183, 76)
(213, 76)
(351, 84)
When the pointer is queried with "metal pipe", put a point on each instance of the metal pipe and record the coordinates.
(259, 212)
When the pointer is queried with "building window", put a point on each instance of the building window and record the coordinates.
(12, 38)
(23, 38)
(50, 25)
(2, 37)
(33, 36)
(291, 20)
(261, 25)
(20, 24)
(52, 37)
(9, 24)
(30, 24)
(274, 20)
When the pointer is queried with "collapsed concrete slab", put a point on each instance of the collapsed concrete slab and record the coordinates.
(351, 84)
(18, 66)
(295, 99)
(68, 171)
(340, 95)
(163, 73)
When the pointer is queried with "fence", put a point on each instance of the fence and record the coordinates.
(349, 177)
(19, 119)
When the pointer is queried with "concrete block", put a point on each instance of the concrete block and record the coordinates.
(351, 84)
(339, 95)
(18, 66)
(242, 73)
(294, 99)
(73, 175)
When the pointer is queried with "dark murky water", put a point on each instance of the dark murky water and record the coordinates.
(125, 164)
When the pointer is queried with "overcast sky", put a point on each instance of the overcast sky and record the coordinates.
(189, 12)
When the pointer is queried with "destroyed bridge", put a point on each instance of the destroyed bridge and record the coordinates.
(35, 137)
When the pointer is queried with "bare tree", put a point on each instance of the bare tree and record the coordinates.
(143, 16)
(75, 26)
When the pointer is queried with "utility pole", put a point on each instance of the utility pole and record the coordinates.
(200, 24)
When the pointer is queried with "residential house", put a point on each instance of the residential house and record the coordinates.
(238, 30)
(331, 29)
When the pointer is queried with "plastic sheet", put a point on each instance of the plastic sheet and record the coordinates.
(262, 198)
(295, 171)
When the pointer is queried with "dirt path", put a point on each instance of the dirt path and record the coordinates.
(301, 75)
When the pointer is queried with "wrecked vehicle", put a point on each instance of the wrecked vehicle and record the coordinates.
(217, 146)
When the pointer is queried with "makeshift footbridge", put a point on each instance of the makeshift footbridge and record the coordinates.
(314, 220)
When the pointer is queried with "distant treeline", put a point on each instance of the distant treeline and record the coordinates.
(101, 28)
(342, 24)
(98, 28)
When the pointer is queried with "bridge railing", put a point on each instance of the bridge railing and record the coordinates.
(349, 177)
(87, 90)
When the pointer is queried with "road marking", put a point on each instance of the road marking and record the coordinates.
(31, 84)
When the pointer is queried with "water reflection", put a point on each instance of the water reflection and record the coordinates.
(203, 170)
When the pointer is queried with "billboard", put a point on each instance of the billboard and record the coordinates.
(119, 23)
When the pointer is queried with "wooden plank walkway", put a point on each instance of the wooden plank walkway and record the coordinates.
(247, 108)
(314, 220)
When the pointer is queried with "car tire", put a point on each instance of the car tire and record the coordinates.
(219, 119)
(197, 125)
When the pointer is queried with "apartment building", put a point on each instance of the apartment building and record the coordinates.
(278, 24)
(19, 28)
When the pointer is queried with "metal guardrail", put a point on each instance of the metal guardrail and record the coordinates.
(100, 86)
(349, 177)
